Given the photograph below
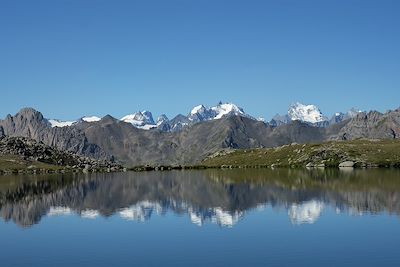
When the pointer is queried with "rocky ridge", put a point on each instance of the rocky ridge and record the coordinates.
(33, 151)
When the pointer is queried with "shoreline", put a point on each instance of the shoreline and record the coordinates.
(195, 167)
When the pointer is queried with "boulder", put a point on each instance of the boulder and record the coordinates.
(346, 164)
(315, 165)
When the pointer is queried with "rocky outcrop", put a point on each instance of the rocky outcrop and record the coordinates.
(31, 124)
(372, 125)
(32, 150)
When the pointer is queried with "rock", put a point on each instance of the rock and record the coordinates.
(29, 149)
(346, 164)
(315, 165)
(1, 132)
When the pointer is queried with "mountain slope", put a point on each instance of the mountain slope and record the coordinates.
(31, 124)
(373, 125)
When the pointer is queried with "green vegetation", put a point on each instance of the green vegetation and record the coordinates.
(364, 153)
(333, 179)
(16, 164)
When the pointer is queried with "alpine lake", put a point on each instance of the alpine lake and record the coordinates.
(238, 217)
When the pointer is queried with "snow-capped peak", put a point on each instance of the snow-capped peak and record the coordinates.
(198, 109)
(202, 113)
(306, 113)
(161, 119)
(142, 119)
(227, 109)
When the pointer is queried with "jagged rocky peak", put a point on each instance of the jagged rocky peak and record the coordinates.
(162, 118)
(278, 120)
(163, 123)
(108, 118)
(228, 109)
(202, 113)
(30, 114)
(26, 121)
(141, 119)
(340, 116)
(198, 110)
(306, 113)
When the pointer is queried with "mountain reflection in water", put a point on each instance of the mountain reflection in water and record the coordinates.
(216, 196)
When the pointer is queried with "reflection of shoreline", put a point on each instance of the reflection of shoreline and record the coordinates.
(217, 197)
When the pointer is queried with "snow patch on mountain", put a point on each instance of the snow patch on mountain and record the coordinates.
(60, 124)
(91, 119)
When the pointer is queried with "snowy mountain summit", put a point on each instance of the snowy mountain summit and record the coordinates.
(306, 113)
(141, 119)
(202, 113)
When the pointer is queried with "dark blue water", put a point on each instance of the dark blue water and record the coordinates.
(202, 218)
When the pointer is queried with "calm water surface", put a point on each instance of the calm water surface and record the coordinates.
(202, 218)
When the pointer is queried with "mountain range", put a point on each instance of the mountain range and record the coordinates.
(310, 114)
(139, 140)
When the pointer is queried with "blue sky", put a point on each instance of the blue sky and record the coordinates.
(71, 58)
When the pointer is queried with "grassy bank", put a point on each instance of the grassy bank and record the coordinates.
(16, 164)
(363, 153)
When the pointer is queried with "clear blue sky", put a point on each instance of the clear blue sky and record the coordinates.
(69, 58)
